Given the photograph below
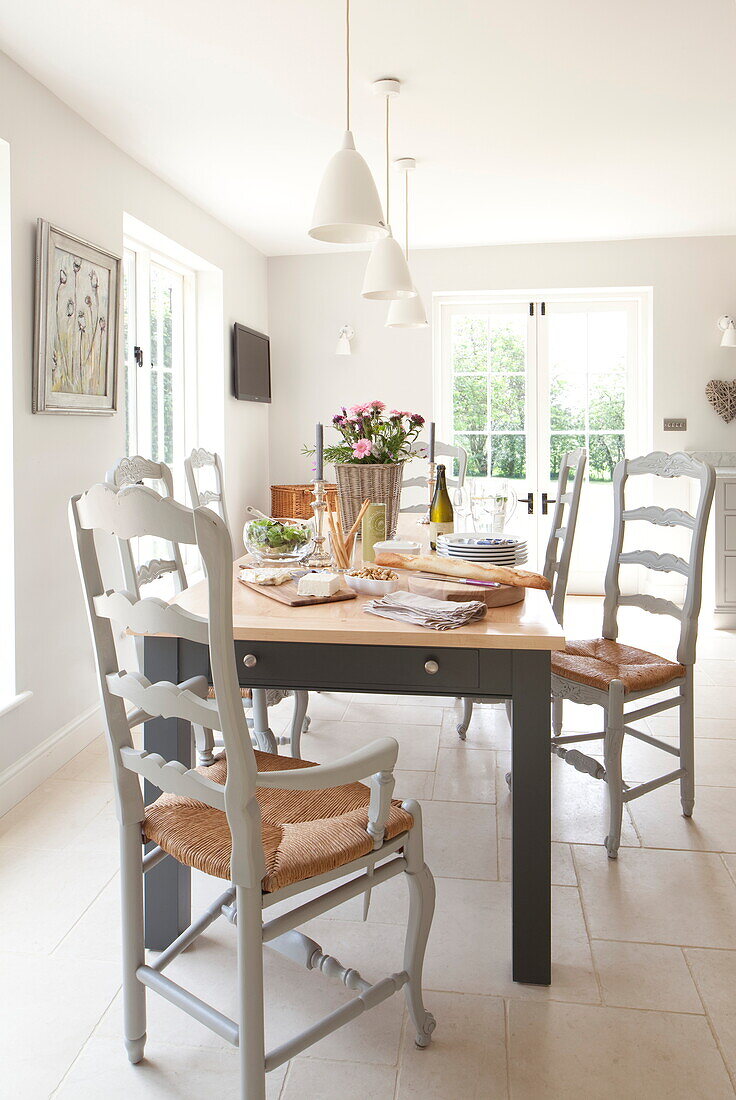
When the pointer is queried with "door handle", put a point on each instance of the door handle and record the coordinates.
(546, 501)
(529, 501)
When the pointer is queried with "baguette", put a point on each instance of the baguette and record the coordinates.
(457, 567)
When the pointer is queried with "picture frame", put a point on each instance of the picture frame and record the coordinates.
(77, 317)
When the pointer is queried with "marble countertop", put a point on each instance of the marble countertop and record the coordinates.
(722, 460)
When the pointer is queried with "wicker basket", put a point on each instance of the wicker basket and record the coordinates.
(379, 482)
(295, 501)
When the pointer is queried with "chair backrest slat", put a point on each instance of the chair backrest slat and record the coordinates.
(562, 533)
(170, 775)
(661, 563)
(164, 699)
(150, 616)
(201, 459)
(656, 604)
(661, 465)
(661, 517)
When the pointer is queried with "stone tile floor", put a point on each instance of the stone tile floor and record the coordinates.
(642, 1000)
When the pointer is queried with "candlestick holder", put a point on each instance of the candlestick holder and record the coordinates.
(320, 558)
(431, 481)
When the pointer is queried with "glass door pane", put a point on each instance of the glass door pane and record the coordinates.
(587, 361)
(490, 403)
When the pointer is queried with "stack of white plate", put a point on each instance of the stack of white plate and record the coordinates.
(484, 547)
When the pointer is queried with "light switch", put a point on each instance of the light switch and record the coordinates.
(675, 424)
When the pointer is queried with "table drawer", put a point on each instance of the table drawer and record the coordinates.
(313, 665)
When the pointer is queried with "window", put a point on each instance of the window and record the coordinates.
(7, 551)
(159, 337)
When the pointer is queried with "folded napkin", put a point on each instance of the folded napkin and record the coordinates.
(409, 607)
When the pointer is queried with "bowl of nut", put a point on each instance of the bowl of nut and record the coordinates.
(372, 580)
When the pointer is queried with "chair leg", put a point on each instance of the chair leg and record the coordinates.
(250, 995)
(612, 750)
(134, 952)
(204, 743)
(299, 722)
(462, 726)
(557, 705)
(421, 909)
(687, 747)
(261, 730)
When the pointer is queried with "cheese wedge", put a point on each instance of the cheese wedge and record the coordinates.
(319, 584)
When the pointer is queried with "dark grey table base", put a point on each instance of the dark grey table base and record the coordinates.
(521, 675)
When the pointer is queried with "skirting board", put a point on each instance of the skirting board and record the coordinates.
(41, 763)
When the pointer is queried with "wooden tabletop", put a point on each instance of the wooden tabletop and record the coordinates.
(527, 625)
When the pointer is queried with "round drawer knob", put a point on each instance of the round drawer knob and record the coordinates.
(431, 667)
(250, 661)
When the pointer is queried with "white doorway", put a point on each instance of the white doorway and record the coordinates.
(521, 378)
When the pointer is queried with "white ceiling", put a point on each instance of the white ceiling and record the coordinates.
(545, 120)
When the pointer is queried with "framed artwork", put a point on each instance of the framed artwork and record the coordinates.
(77, 316)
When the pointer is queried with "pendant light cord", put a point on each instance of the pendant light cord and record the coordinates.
(406, 209)
(347, 63)
(388, 185)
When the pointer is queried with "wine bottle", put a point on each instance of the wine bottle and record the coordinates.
(441, 515)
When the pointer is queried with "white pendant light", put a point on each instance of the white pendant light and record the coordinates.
(406, 312)
(348, 209)
(387, 275)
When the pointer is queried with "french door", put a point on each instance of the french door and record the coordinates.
(160, 343)
(159, 339)
(522, 381)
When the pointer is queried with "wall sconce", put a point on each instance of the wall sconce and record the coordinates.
(346, 334)
(727, 325)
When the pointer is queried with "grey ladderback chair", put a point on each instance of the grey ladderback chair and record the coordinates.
(269, 826)
(557, 556)
(608, 674)
(137, 470)
(441, 450)
(562, 532)
(201, 459)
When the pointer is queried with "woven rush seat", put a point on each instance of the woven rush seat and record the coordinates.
(305, 833)
(598, 661)
(273, 695)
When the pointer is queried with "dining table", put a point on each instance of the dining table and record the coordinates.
(339, 647)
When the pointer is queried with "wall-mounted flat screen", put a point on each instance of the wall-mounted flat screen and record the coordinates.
(251, 365)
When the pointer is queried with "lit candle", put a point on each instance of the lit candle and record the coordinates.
(431, 441)
(320, 464)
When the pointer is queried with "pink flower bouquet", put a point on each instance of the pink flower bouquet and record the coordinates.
(370, 435)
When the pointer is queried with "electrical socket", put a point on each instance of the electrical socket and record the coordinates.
(675, 424)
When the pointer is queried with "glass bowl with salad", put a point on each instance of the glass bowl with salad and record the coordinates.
(279, 541)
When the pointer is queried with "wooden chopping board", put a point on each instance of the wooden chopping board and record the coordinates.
(287, 594)
(459, 593)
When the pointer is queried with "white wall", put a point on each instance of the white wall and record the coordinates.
(311, 297)
(64, 170)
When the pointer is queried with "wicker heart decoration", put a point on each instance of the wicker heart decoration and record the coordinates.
(722, 396)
